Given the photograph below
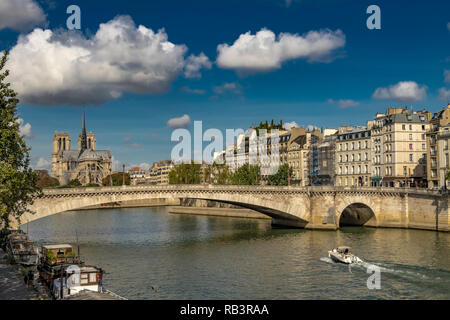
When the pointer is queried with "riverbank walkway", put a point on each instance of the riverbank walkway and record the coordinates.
(12, 285)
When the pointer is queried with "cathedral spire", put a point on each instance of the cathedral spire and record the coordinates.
(83, 136)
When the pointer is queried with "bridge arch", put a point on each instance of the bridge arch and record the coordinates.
(270, 202)
(357, 214)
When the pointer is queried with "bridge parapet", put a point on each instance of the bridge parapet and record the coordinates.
(314, 207)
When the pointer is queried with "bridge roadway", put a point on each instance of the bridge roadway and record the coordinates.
(302, 207)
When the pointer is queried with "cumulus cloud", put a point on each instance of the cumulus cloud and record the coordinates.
(192, 91)
(404, 91)
(116, 166)
(265, 51)
(229, 87)
(65, 67)
(290, 125)
(20, 15)
(145, 166)
(444, 94)
(447, 76)
(24, 129)
(194, 64)
(42, 164)
(344, 103)
(311, 127)
(181, 122)
(127, 139)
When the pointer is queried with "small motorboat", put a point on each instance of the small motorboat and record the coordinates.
(343, 255)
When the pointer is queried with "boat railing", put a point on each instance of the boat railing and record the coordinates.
(113, 294)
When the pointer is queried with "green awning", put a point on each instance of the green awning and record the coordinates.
(376, 179)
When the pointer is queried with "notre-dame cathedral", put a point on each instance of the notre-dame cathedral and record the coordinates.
(87, 165)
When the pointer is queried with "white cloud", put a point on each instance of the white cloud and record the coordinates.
(344, 103)
(181, 122)
(404, 91)
(42, 164)
(444, 94)
(194, 64)
(448, 26)
(290, 125)
(231, 87)
(116, 165)
(311, 127)
(64, 67)
(265, 51)
(145, 166)
(20, 15)
(447, 76)
(24, 129)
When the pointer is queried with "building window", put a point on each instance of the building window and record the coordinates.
(410, 146)
(410, 127)
(410, 137)
(411, 157)
(446, 160)
(403, 127)
(423, 146)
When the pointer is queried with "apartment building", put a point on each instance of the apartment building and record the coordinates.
(399, 148)
(159, 173)
(353, 156)
(437, 148)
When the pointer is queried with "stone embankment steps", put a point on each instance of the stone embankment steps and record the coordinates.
(12, 285)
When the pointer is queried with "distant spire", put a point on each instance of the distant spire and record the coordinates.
(83, 136)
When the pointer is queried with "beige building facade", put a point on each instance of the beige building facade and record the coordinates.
(87, 164)
(437, 148)
(159, 173)
(353, 157)
(399, 148)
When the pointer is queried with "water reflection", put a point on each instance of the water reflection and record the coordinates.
(199, 257)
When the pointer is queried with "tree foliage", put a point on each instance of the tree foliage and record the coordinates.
(117, 179)
(186, 173)
(281, 177)
(247, 174)
(45, 181)
(217, 174)
(18, 182)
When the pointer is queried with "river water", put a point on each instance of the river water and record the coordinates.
(150, 254)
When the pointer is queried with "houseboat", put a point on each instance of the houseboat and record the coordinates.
(65, 274)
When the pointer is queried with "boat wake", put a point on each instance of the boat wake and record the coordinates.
(412, 273)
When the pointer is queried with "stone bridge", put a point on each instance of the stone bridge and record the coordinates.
(303, 207)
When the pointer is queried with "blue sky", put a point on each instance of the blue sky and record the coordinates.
(325, 88)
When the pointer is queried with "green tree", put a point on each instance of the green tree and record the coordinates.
(18, 182)
(216, 174)
(246, 174)
(117, 179)
(45, 181)
(281, 177)
(183, 173)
